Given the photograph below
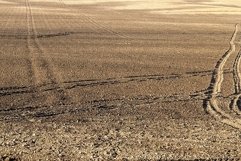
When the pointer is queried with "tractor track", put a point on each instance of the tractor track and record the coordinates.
(5, 91)
(44, 112)
(212, 102)
(234, 105)
(42, 70)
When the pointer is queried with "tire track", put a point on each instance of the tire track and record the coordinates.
(39, 36)
(33, 72)
(34, 112)
(42, 70)
(4, 91)
(211, 102)
(236, 73)
(237, 84)
(60, 86)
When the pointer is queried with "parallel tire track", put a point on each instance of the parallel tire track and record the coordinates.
(42, 70)
(216, 83)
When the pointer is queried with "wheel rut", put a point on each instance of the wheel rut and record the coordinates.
(92, 83)
(44, 112)
(237, 84)
(212, 102)
(42, 70)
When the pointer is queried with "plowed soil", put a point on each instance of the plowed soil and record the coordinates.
(120, 80)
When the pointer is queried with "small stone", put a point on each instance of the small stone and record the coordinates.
(105, 137)
(1, 141)
(32, 120)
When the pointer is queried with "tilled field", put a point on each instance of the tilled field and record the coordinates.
(88, 80)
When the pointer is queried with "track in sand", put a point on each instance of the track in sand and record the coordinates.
(212, 102)
(42, 70)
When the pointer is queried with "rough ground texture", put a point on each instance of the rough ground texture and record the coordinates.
(120, 80)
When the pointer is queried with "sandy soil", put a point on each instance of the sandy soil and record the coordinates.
(120, 80)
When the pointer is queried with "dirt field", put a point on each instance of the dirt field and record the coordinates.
(120, 80)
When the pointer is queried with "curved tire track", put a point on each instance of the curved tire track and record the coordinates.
(216, 83)
(237, 84)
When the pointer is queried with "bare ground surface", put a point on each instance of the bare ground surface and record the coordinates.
(84, 81)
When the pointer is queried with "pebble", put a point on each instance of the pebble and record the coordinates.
(1, 141)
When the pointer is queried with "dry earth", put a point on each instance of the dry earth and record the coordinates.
(120, 80)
